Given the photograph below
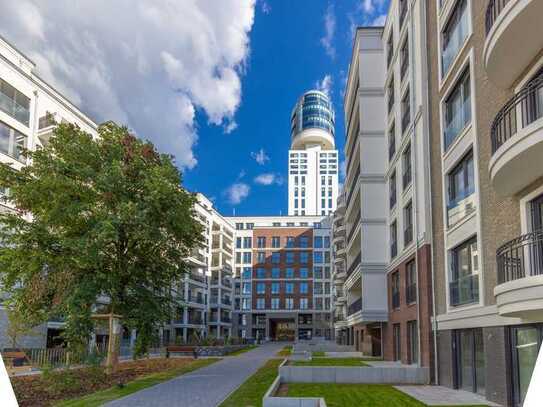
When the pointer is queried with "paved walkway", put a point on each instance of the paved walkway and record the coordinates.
(440, 395)
(205, 387)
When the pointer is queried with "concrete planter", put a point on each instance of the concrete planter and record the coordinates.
(218, 350)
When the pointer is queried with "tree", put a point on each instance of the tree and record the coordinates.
(96, 218)
(17, 327)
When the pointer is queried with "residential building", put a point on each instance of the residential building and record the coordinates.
(313, 160)
(485, 93)
(29, 111)
(283, 282)
(407, 336)
(364, 217)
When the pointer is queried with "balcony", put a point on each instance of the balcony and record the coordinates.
(9, 105)
(354, 227)
(355, 307)
(354, 264)
(513, 38)
(464, 290)
(46, 126)
(517, 141)
(520, 277)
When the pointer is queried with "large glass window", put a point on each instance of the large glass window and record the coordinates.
(395, 279)
(317, 242)
(392, 189)
(14, 103)
(411, 282)
(454, 35)
(290, 257)
(317, 257)
(261, 241)
(461, 183)
(413, 339)
(464, 283)
(408, 223)
(304, 241)
(260, 288)
(406, 111)
(276, 257)
(289, 288)
(289, 272)
(393, 240)
(303, 288)
(406, 167)
(275, 288)
(276, 242)
(304, 257)
(304, 273)
(457, 109)
(12, 142)
(470, 360)
(525, 343)
(290, 242)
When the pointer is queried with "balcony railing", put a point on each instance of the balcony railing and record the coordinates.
(411, 293)
(464, 290)
(353, 186)
(493, 10)
(406, 118)
(406, 178)
(196, 298)
(354, 264)
(355, 306)
(521, 257)
(196, 277)
(395, 300)
(195, 320)
(15, 110)
(353, 227)
(403, 11)
(339, 317)
(528, 104)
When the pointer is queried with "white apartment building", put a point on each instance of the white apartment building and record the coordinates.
(313, 160)
(27, 105)
(283, 281)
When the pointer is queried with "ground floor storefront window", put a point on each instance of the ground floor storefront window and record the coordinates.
(525, 344)
(469, 367)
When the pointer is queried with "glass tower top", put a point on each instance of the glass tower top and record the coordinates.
(313, 110)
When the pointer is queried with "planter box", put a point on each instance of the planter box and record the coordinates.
(366, 375)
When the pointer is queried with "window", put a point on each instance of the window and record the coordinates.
(260, 288)
(317, 257)
(317, 272)
(12, 142)
(390, 48)
(406, 111)
(260, 303)
(304, 241)
(411, 282)
(290, 242)
(395, 280)
(275, 272)
(396, 342)
(246, 273)
(404, 58)
(289, 288)
(238, 243)
(317, 242)
(454, 35)
(260, 272)
(289, 272)
(461, 185)
(408, 223)
(469, 353)
(304, 273)
(275, 288)
(275, 303)
(289, 303)
(238, 257)
(413, 341)
(457, 109)
(393, 240)
(261, 257)
(14, 103)
(276, 257)
(290, 257)
(247, 241)
(249, 225)
(246, 288)
(261, 242)
(246, 257)
(326, 242)
(276, 224)
(391, 141)
(303, 288)
(239, 226)
(390, 95)
(304, 303)
(276, 242)
(464, 283)
(304, 257)
(406, 164)
(392, 189)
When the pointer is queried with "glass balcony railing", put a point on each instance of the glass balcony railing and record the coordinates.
(355, 307)
(461, 208)
(461, 118)
(15, 110)
(457, 36)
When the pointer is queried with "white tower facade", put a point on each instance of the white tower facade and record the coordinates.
(313, 160)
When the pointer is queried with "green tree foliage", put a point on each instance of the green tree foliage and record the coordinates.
(96, 217)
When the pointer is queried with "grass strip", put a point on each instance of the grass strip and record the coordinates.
(250, 393)
(357, 362)
(243, 350)
(359, 395)
(318, 354)
(286, 351)
(103, 396)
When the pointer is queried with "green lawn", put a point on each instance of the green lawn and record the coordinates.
(103, 396)
(286, 351)
(240, 351)
(330, 362)
(318, 354)
(250, 393)
(351, 395)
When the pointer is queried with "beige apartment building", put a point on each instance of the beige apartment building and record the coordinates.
(486, 98)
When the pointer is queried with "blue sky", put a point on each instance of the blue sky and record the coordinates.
(210, 82)
(295, 46)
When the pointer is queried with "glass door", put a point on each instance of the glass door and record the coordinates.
(525, 342)
(536, 209)
(470, 360)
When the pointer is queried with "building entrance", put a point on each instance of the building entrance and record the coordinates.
(282, 329)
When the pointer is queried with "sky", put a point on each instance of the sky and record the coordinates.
(212, 82)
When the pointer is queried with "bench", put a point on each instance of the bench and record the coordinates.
(15, 358)
(185, 350)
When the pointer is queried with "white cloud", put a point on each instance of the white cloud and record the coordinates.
(325, 84)
(329, 31)
(342, 169)
(269, 179)
(237, 192)
(260, 156)
(149, 65)
(379, 21)
(265, 7)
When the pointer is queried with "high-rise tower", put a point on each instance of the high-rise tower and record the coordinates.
(313, 160)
